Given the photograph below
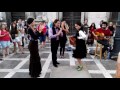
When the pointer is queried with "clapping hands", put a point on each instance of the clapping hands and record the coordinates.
(59, 32)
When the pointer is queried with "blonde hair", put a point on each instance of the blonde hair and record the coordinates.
(4, 25)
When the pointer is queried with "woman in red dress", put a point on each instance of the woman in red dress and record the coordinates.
(90, 39)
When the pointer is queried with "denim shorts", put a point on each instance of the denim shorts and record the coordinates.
(5, 44)
(17, 39)
(42, 38)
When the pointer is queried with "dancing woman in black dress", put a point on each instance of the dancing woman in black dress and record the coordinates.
(80, 51)
(35, 65)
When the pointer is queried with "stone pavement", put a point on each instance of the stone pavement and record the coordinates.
(16, 66)
(69, 72)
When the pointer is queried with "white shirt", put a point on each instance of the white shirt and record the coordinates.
(82, 35)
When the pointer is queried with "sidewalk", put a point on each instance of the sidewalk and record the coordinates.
(69, 72)
(17, 66)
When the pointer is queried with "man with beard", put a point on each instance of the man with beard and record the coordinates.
(103, 37)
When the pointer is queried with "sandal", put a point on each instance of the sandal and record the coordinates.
(79, 68)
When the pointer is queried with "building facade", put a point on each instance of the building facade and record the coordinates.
(70, 17)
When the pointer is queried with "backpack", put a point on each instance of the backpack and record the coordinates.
(69, 49)
(92, 52)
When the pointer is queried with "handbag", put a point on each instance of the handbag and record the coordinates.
(72, 40)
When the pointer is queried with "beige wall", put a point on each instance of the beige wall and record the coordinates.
(96, 17)
(3, 15)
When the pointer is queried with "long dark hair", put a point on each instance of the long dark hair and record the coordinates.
(14, 29)
(92, 26)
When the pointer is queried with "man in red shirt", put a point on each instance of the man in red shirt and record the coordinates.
(105, 38)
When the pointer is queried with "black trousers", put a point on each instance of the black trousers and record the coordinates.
(54, 48)
(62, 47)
(105, 43)
(35, 64)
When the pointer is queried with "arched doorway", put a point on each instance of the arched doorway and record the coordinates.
(71, 18)
(17, 15)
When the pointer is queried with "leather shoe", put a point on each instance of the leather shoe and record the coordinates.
(55, 65)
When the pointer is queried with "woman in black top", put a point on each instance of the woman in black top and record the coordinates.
(63, 38)
(111, 27)
(80, 51)
(35, 64)
(90, 39)
(14, 33)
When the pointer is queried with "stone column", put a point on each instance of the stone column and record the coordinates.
(82, 17)
(60, 15)
(116, 45)
(8, 18)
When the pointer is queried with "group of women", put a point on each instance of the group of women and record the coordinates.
(57, 35)
(15, 34)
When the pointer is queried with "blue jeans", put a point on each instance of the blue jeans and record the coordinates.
(42, 38)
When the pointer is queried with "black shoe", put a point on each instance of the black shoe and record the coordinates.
(35, 76)
(55, 65)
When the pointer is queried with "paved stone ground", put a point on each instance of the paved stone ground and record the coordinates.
(16, 65)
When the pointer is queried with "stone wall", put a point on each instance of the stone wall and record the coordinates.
(91, 16)
(96, 17)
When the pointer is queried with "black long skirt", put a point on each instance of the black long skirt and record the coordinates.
(80, 51)
(35, 64)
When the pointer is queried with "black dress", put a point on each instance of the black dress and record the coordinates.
(34, 65)
(112, 30)
(13, 31)
(80, 51)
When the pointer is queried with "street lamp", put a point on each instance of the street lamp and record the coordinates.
(116, 45)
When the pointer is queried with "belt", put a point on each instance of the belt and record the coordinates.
(33, 39)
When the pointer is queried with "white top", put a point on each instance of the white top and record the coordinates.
(82, 35)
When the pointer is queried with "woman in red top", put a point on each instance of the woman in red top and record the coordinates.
(90, 39)
(4, 39)
(43, 30)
